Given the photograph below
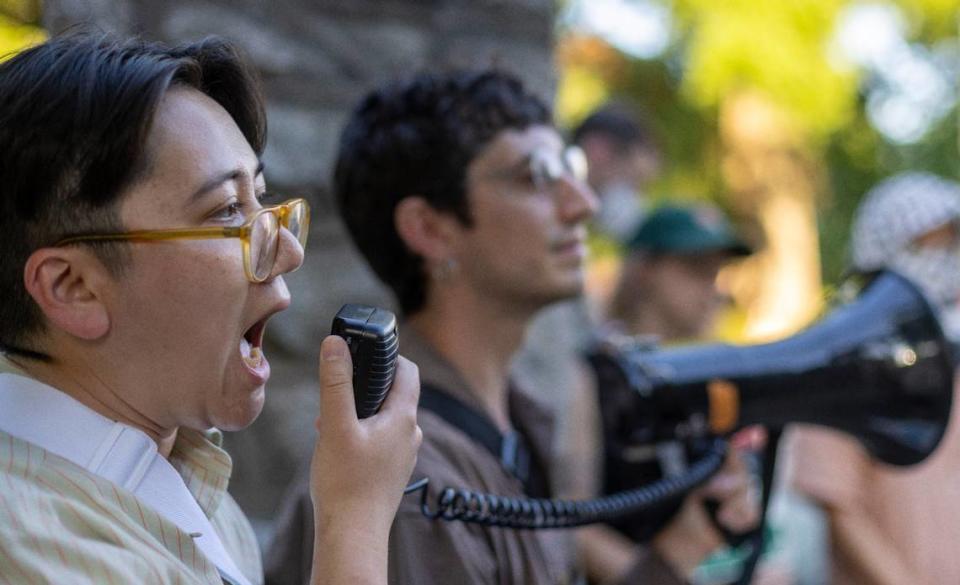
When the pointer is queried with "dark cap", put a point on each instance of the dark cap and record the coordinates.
(673, 229)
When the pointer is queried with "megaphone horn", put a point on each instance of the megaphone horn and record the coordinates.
(878, 368)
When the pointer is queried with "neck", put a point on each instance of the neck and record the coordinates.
(80, 380)
(479, 338)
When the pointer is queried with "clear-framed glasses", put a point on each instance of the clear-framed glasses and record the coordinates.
(545, 166)
(548, 166)
(260, 235)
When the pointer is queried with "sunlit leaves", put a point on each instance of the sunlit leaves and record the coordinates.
(18, 25)
(776, 47)
(789, 53)
(23, 11)
(932, 19)
(588, 67)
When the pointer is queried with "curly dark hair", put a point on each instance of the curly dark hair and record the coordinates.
(75, 114)
(418, 137)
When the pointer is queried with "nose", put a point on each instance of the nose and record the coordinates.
(289, 254)
(576, 200)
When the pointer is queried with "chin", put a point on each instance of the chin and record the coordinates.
(240, 414)
(560, 294)
(571, 288)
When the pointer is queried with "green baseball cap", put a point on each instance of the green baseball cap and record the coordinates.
(672, 229)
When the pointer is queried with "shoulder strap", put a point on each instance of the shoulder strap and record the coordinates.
(510, 449)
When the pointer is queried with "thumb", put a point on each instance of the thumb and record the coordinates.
(336, 381)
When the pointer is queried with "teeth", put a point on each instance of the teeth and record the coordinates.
(254, 359)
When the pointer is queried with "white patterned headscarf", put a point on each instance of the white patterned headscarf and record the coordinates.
(890, 219)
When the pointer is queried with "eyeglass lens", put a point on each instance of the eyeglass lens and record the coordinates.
(295, 223)
(265, 237)
(547, 167)
(263, 245)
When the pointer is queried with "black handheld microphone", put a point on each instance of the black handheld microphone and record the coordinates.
(371, 335)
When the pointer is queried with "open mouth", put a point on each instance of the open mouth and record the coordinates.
(250, 344)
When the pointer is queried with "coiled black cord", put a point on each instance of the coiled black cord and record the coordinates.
(532, 513)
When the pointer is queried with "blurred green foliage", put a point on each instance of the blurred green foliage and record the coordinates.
(782, 49)
(19, 25)
(23, 11)
(775, 46)
(931, 19)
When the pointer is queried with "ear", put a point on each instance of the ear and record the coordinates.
(65, 283)
(425, 230)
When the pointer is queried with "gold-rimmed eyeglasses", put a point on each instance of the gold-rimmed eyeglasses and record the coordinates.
(260, 235)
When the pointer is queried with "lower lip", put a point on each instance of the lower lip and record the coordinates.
(259, 374)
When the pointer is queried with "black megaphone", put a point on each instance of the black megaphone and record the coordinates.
(878, 368)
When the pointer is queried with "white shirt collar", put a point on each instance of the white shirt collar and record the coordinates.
(42, 415)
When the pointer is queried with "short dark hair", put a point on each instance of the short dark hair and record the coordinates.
(418, 137)
(620, 124)
(75, 114)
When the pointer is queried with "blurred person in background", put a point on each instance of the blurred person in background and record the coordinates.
(667, 292)
(464, 199)
(668, 279)
(622, 158)
(141, 263)
(892, 525)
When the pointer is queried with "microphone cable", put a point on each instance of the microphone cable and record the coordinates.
(521, 512)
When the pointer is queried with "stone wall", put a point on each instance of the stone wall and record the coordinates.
(317, 58)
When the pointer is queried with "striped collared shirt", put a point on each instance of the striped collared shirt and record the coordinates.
(60, 523)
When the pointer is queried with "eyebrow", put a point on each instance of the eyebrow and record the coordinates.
(218, 180)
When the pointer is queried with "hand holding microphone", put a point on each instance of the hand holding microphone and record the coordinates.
(360, 466)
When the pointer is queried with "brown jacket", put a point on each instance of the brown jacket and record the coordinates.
(425, 552)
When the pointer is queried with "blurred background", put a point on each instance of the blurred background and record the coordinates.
(782, 112)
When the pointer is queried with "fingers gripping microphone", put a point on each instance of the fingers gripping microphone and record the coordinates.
(878, 368)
